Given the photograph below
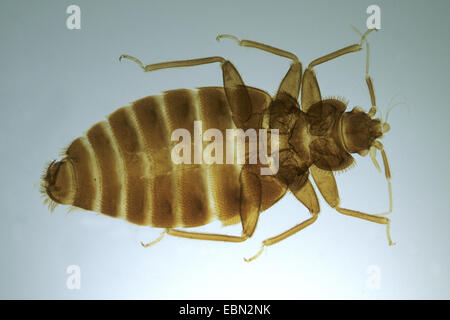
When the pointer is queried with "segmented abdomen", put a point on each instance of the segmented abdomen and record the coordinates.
(123, 166)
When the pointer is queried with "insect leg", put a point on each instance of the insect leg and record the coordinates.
(205, 236)
(236, 92)
(340, 52)
(387, 174)
(292, 80)
(373, 109)
(335, 54)
(250, 206)
(260, 46)
(250, 199)
(172, 64)
(327, 185)
(306, 194)
(146, 245)
(310, 87)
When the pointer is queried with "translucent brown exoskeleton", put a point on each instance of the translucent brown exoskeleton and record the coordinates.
(122, 167)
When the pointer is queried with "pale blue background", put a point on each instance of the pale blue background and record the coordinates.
(55, 83)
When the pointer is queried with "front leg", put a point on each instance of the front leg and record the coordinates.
(310, 87)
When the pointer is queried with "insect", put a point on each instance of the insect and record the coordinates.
(122, 166)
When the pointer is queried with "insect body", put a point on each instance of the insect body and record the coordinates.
(122, 167)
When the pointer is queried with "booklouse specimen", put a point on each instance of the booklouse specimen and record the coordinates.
(122, 167)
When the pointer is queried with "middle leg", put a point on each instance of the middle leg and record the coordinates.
(292, 80)
(327, 185)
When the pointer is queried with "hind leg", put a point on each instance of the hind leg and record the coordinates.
(236, 92)
(250, 206)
